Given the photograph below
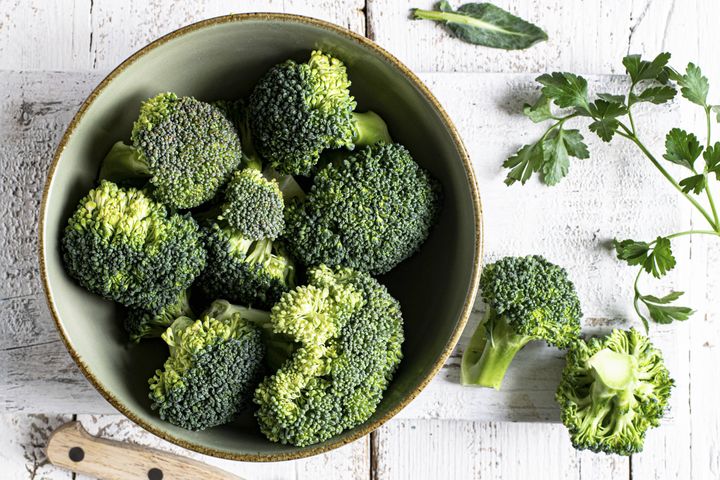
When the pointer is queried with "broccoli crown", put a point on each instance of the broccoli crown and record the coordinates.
(297, 110)
(141, 323)
(535, 297)
(122, 245)
(254, 205)
(250, 272)
(369, 211)
(189, 148)
(612, 391)
(349, 333)
(211, 372)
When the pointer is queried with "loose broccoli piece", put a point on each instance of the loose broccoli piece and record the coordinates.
(211, 372)
(528, 298)
(348, 331)
(612, 391)
(140, 323)
(185, 148)
(124, 246)
(369, 211)
(244, 271)
(297, 110)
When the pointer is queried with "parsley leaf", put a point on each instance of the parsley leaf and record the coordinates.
(605, 114)
(524, 163)
(631, 251)
(693, 85)
(662, 312)
(612, 98)
(660, 260)
(695, 184)
(682, 148)
(565, 89)
(557, 147)
(539, 111)
(712, 159)
(640, 70)
(657, 95)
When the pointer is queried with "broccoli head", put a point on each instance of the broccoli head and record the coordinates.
(528, 298)
(124, 246)
(211, 372)
(297, 110)
(348, 332)
(141, 323)
(185, 148)
(244, 271)
(612, 391)
(369, 211)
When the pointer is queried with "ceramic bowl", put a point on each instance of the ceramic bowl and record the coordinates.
(223, 58)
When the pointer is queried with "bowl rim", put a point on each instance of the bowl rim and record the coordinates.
(365, 428)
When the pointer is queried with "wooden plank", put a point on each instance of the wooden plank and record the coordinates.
(569, 224)
(409, 449)
(588, 37)
(348, 462)
(87, 34)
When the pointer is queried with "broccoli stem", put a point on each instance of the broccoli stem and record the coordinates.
(124, 163)
(288, 185)
(370, 129)
(485, 362)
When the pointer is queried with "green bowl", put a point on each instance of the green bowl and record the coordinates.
(223, 58)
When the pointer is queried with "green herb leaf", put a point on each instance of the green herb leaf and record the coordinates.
(712, 159)
(565, 89)
(660, 260)
(539, 111)
(605, 114)
(557, 147)
(657, 95)
(612, 98)
(485, 24)
(631, 251)
(524, 163)
(640, 70)
(575, 145)
(662, 312)
(716, 110)
(682, 148)
(693, 85)
(695, 184)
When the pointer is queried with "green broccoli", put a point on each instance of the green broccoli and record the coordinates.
(297, 110)
(124, 246)
(244, 271)
(211, 372)
(528, 298)
(612, 391)
(185, 148)
(348, 334)
(141, 323)
(369, 211)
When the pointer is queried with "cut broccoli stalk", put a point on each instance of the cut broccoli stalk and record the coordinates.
(490, 353)
(370, 129)
(125, 165)
(278, 346)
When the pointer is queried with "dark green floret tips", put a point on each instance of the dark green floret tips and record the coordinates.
(528, 298)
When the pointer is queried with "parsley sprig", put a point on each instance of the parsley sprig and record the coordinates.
(564, 96)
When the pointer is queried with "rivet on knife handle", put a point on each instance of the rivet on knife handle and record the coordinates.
(71, 447)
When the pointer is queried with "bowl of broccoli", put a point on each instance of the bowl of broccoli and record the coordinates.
(260, 237)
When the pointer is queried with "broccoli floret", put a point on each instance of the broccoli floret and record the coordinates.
(369, 211)
(348, 332)
(211, 372)
(297, 110)
(253, 205)
(613, 389)
(185, 148)
(124, 246)
(140, 323)
(528, 298)
(244, 271)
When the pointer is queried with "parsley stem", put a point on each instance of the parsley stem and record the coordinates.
(636, 300)
(670, 179)
(692, 232)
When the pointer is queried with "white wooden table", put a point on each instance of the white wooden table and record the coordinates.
(52, 53)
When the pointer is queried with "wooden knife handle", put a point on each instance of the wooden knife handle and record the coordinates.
(71, 447)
